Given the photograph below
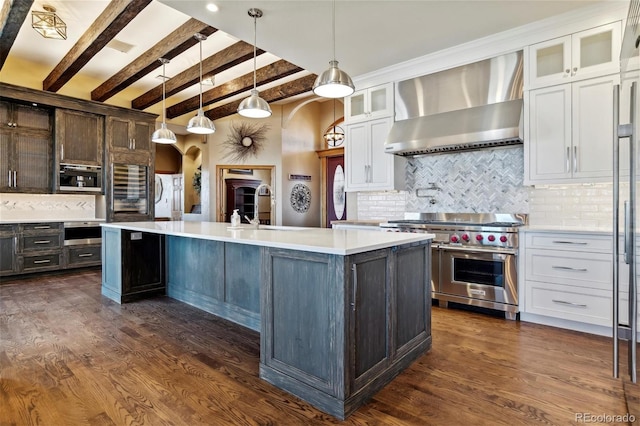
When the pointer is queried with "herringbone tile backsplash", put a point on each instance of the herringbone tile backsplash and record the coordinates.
(482, 181)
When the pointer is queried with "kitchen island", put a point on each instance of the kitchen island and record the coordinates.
(340, 312)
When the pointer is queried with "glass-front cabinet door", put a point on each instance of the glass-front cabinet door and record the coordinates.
(130, 192)
(368, 104)
(586, 54)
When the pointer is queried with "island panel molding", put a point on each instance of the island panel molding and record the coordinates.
(338, 320)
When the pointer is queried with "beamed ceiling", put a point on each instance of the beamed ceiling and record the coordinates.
(222, 100)
(114, 46)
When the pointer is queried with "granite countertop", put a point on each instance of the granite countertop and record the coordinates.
(319, 240)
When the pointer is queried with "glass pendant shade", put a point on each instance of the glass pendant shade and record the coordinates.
(200, 124)
(254, 106)
(333, 83)
(48, 24)
(163, 135)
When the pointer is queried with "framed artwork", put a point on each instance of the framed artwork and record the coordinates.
(264, 191)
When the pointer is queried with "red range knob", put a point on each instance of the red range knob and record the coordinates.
(503, 239)
(454, 238)
(479, 237)
(491, 238)
(465, 237)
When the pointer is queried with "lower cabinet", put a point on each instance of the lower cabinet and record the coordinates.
(8, 249)
(139, 271)
(82, 255)
(336, 329)
(30, 247)
(568, 277)
(227, 285)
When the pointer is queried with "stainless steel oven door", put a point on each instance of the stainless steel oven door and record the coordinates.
(479, 274)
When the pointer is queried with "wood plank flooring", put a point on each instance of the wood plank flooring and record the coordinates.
(71, 357)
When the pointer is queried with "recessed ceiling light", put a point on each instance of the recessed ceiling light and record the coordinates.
(212, 7)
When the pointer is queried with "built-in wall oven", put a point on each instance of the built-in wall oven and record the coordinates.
(474, 257)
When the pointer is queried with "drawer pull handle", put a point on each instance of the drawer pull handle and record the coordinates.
(42, 242)
(578, 243)
(563, 302)
(85, 255)
(37, 262)
(42, 227)
(567, 268)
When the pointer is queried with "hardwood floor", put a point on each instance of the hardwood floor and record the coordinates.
(70, 357)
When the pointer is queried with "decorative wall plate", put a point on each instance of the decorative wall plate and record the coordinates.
(300, 198)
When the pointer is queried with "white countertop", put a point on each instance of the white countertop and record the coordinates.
(568, 229)
(16, 221)
(319, 240)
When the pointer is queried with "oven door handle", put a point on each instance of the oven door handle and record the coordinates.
(478, 250)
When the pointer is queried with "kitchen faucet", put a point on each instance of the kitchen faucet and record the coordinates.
(256, 221)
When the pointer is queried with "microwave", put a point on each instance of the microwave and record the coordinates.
(75, 177)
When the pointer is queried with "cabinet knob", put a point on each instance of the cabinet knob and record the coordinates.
(567, 71)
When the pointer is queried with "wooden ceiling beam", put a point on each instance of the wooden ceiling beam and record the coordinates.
(12, 15)
(178, 41)
(264, 75)
(214, 64)
(111, 21)
(284, 91)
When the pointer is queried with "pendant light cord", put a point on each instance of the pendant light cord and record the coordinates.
(334, 29)
(200, 74)
(164, 77)
(255, 40)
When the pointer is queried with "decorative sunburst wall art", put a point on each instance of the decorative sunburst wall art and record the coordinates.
(245, 140)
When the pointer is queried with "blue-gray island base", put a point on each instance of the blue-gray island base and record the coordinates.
(334, 327)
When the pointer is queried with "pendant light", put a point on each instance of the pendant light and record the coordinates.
(254, 106)
(335, 135)
(163, 135)
(200, 124)
(333, 83)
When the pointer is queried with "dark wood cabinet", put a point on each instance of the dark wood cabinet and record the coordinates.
(8, 249)
(79, 137)
(128, 135)
(82, 255)
(142, 263)
(133, 264)
(26, 147)
(241, 196)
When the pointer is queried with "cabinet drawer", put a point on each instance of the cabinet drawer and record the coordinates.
(572, 242)
(83, 256)
(40, 242)
(591, 270)
(42, 227)
(570, 303)
(41, 262)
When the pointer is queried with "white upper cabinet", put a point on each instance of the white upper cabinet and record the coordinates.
(586, 54)
(571, 132)
(368, 167)
(368, 104)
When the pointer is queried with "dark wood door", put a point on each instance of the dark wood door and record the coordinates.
(142, 262)
(336, 197)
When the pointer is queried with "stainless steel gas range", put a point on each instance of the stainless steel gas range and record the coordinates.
(474, 257)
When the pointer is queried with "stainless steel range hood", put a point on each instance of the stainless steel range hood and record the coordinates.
(473, 106)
